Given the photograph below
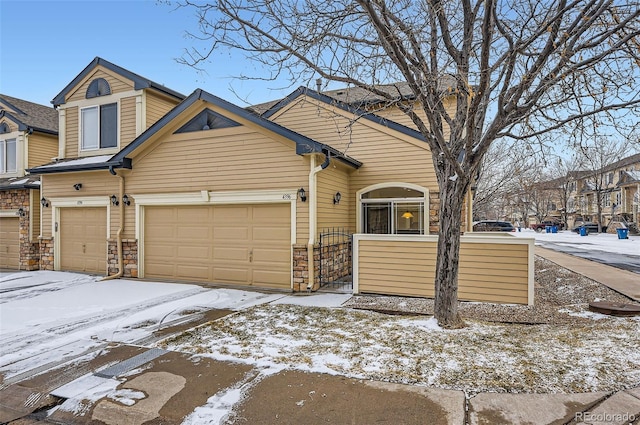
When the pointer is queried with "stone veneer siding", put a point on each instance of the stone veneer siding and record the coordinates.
(129, 257)
(301, 268)
(29, 250)
(46, 253)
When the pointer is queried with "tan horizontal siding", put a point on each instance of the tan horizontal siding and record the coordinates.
(157, 106)
(94, 183)
(334, 179)
(71, 136)
(35, 215)
(42, 147)
(117, 83)
(387, 155)
(235, 161)
(490, 272)
(127, 122)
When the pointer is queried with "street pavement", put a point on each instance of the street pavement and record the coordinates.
(163, 387)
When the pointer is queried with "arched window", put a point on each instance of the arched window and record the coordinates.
(4, 128)
(98, 87)
(395, 208)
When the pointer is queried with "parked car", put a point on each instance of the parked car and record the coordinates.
(493, 226)
(591, 227)
(539, 227)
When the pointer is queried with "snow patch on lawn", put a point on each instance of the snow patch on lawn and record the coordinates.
(600, 356)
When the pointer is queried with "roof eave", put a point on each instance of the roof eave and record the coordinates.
(123, 163)
(20, 186)
(345, 107)
(139, 82)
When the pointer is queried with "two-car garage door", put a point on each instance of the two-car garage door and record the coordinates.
(237, 244)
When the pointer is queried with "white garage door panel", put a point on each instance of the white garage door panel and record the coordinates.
(9, 242)
(239, 244)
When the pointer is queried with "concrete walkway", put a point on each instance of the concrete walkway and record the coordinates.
(625, 282)
(174, 386)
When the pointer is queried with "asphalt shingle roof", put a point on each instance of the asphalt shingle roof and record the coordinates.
(38, 117)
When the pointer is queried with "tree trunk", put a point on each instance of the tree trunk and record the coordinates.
(446, 282)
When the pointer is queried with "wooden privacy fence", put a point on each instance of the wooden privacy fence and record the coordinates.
(494, 268)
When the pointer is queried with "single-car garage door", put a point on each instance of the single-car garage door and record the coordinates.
(83, 239)
(9, 242)
(238, 244)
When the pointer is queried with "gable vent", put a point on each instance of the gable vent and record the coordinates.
(98, 87)
(207, 120)
(4, 128)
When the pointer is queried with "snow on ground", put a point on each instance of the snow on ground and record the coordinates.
(602, 355)
(48, 316)
(594, 241)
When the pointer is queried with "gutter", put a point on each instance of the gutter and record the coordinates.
(120, 230)
(313, 213)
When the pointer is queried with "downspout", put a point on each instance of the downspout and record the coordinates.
(120, 229)
(313, 214)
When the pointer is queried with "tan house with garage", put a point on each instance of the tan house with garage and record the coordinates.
(28, 137)
(215, 193)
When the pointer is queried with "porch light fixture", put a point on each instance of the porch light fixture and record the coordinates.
(21, 212)
(407, 215)
(302, 194)
(114, 200)
(125, 200)
(77, 186)
(44, 202)
(336, 198)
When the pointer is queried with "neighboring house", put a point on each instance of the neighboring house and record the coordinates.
(618, 186)
(28, 137)
(212, 192)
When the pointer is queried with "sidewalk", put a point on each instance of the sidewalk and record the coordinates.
(133, 385)
(178, 388)
(622, 281)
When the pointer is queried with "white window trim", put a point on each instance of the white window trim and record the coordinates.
(205, 197)
(99, 150)
(19, 138)
(425, 199)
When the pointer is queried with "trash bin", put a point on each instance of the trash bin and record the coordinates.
(554, 229)
(548, 229)
(623, 233)
(583, 231)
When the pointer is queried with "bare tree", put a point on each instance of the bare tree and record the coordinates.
(520, 68)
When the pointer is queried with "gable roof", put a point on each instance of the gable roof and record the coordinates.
(359, 97)
(138, 81)
(29, 115)
(304, 145)
(345, 107)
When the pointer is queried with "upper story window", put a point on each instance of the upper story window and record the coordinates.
(393, 210)
(99, 127)
(8, 156)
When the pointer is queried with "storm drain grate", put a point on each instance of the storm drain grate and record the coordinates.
(130, 364)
